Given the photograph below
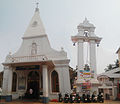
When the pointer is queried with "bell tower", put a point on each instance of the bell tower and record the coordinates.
(86, 73)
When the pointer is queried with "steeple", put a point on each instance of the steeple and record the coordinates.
(35, 27)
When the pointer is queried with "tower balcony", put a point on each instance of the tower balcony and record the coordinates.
(85, 39)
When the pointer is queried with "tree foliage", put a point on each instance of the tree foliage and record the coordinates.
(112, 66)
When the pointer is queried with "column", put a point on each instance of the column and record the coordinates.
(10, 77)
(66, 79)
(45, 84)
(80, 60)
(7, 83)
(93, 57)
(7, 80)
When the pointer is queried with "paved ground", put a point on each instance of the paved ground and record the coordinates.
(22, 102)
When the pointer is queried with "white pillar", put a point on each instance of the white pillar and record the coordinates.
(93, 57)
(10, 81)
(80, 60)
(45, 81)
(7, 81)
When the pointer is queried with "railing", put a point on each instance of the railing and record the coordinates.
(27, 58)
(109, 83)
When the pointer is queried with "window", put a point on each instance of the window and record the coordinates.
(1, 79)
(86, 33)
(55, 81)
(34, 24)
(100, 79)
(14, 82)
(111, 79)
(119, 88)
(110, 92)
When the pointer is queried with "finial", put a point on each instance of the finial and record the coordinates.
(85, 21)
(37, 9)
(37, 4)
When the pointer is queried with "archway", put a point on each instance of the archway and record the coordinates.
(55, 81)
(33, 83)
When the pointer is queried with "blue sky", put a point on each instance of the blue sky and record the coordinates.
(60, 18)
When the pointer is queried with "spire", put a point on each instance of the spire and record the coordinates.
(35, 27)
(85, 21)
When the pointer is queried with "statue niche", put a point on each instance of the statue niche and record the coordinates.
(34, 49)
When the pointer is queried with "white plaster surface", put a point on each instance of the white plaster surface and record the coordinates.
(34, 48)
(86, 34)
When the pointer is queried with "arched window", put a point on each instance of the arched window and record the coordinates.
(86, 33)
(14, 82)
(1, 79)
(55, 81)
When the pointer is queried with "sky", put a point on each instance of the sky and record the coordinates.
(60, 19)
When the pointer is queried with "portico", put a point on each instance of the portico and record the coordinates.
(22, 71)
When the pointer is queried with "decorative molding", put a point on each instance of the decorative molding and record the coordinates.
(41, 35)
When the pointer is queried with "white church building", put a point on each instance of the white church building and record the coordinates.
(36, 65)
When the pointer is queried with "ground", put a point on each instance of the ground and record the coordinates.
(22, 102)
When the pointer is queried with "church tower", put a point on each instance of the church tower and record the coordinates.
(86, 73)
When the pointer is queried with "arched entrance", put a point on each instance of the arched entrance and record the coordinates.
(33, 83)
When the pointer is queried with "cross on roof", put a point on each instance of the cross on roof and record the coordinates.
(37, 4)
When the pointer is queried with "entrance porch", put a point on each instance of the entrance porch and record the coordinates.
(28, 80)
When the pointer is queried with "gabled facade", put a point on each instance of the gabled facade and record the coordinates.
(36, 65)
(110, 84)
